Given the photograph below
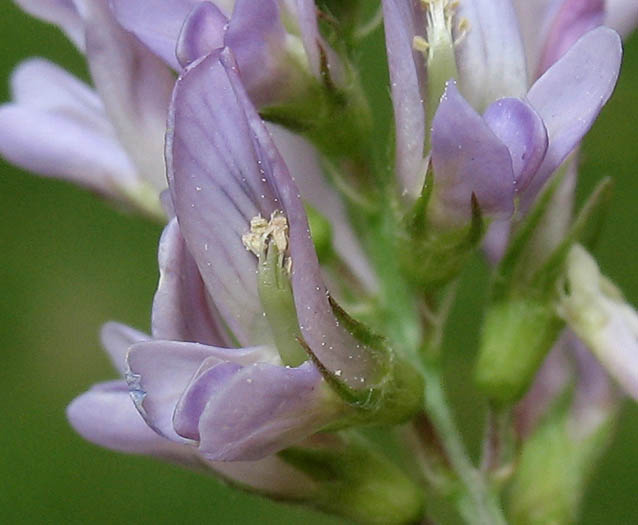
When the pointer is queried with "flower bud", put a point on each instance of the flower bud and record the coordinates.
(516, 336)
(597, 312)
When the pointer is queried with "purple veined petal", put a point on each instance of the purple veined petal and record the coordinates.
(257, 37)
(570, 94)
(70, 142)
(106, 416)
(468, 158)
(535, 19)
(157, 375)
(270, 475)
(572, 20)
(62, 13)
(621, 15)
(116, 339)
(157, 23)
(521, 129)
(407, 80)
(134, 85)
(219, 183)
(167, 203)
(334, 346)
(202, 32)
(490, 57)
(302, 160)
(39, 84)
(261, 410)
(182, 310)
(306, 14)
(208, 381)
(159, 372)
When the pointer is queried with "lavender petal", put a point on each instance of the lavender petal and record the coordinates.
(116, 339)
(182, 310)
(57, 127)
(257, 37)
(134, 85)
(331, 342)
(208, 381)
(407, 79)
(569, 96)
(106, 416)
(202, 32)
(490, 58)
(219, 150)
(621, 15)
(157, 23)
(521, 129)
(468, 158)
(572, 20)
(218, 182)
(261, 410)
(160, 371)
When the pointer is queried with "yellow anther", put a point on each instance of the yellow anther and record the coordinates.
(463, 28)
(261, 230)
(420, 44)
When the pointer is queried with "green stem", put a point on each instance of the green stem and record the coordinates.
(477, 504)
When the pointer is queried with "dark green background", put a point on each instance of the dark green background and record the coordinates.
(70, 263)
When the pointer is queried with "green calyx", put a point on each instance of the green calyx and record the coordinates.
(355, 481)
(335, 118)
(397, 393)
(431, 257)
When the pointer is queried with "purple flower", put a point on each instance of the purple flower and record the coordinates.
(273, 59)
(189, 382)
(110, 141)
(223, 172)
(549, 28)
(522, 135)
(106, 416)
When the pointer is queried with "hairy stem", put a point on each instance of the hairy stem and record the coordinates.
(477, 504)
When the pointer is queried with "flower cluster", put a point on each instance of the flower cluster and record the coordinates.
(304, 285)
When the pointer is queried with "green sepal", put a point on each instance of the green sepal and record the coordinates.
(516, 335)
(356, 481)
(336, 119)
(431, 258)
(339, 21)
(398, 390)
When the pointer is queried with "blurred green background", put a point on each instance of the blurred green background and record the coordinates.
(70, 263)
